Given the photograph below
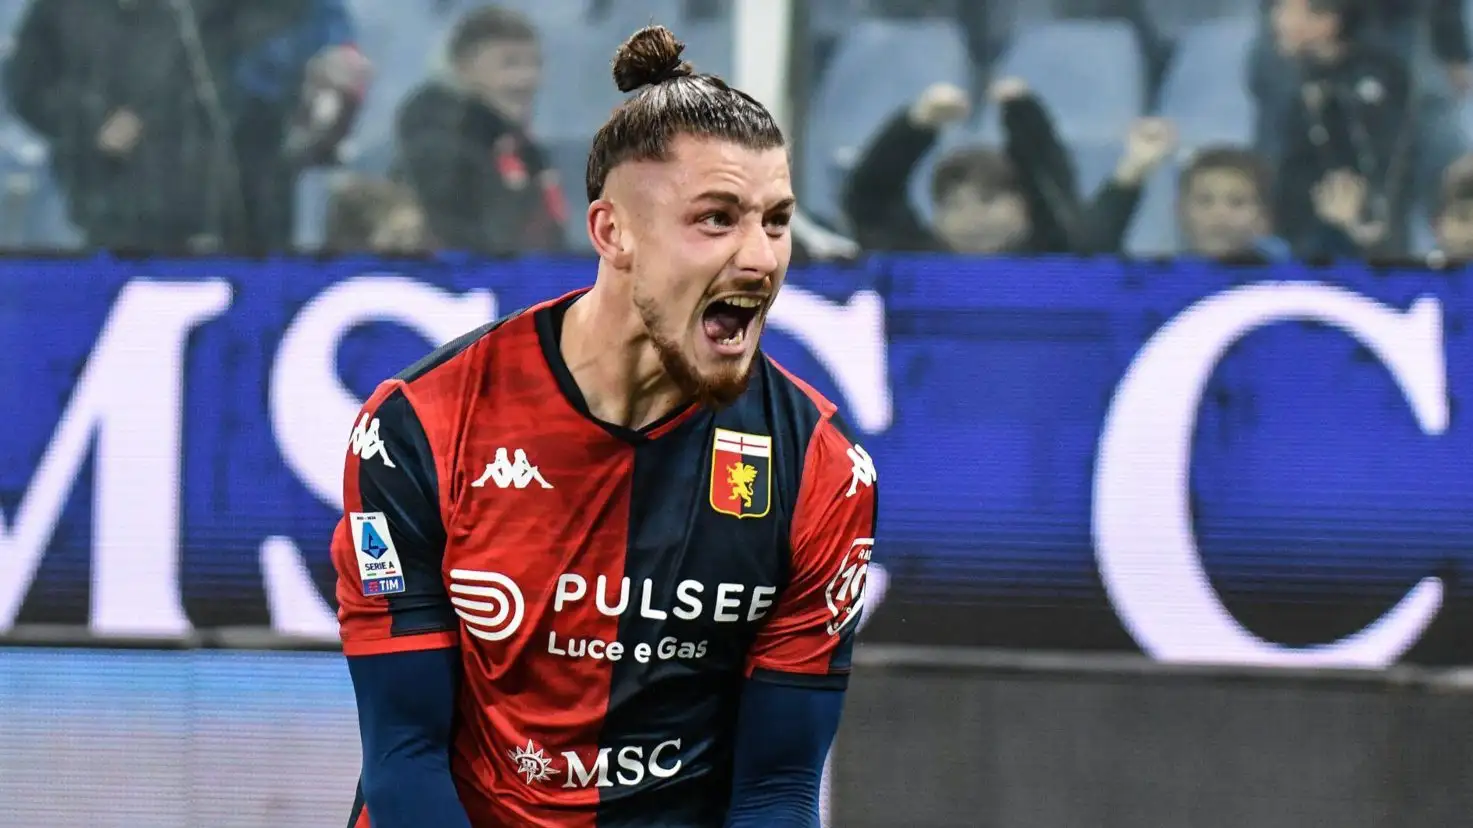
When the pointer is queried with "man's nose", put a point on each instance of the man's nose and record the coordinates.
(758, 253)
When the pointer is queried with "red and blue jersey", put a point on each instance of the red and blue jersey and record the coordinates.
(610, 590)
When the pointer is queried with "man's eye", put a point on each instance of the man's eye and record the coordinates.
(782, 220)
(716, 219)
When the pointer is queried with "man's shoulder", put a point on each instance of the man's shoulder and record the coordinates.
(432, 102)
(462, 350)
(449, 370)
(788, 389)
(795, 406)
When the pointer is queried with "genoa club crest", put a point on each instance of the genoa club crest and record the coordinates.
(741, 474)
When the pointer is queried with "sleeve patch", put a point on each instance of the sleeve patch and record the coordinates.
(378, 561)
(844, 594)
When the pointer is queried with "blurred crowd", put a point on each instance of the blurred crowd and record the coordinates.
(221, 125)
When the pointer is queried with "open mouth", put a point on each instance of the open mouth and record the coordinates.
(727, 322)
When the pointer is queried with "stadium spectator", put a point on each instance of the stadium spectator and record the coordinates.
(376, 215)
(1430, 37)
(168, 122)
(1351, 117)
(1453, 218)
(485, 184)
(1022, 200)
(1222, 205)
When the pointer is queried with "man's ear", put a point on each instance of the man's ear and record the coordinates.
(609, 234)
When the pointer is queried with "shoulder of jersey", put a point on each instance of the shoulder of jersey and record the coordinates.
(793, 393)
(468, 345)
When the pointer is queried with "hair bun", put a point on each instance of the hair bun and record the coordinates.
(650, 56)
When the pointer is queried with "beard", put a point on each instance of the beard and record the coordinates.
(717, 390)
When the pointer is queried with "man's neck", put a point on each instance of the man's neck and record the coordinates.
(611, 358)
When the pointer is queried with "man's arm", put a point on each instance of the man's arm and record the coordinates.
(799, 665)
(397, 626)
(875, 197)
(783, 736)
(1108, 216)
(406, 703)
(43, 90)
(1045, 167)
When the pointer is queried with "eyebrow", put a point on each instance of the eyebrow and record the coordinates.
(733, 200)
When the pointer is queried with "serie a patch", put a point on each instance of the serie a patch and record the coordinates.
(378, 560)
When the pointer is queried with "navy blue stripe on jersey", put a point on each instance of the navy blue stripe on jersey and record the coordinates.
(783, 737)
(355, 816)
(651, 703)
(406, 714)
(678, 541)
(793, 417)
(408, 494)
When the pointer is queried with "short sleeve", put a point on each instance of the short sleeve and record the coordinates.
(810, 637)
(389, 545)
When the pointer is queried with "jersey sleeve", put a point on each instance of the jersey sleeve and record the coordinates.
(389, 545)
(810, 637)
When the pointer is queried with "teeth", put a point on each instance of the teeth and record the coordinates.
(736, 338)
(744, 302)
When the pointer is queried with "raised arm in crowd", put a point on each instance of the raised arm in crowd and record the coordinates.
(1023, 199)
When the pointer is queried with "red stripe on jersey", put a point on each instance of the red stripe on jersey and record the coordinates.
(528, 566)
(401, 644)
(832, 538)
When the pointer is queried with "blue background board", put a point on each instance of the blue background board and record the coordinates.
(1317, 499)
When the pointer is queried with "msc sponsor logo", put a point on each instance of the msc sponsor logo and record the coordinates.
(609, 768)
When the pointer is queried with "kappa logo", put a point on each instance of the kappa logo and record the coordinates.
(864, 473)
(365, 442)
(514, 473)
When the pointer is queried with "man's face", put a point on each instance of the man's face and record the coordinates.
(971, 220)
(402, 230)
(1297, 27)
(505, 74)
(709, 248)
(1455, 230)
(1221, 213)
